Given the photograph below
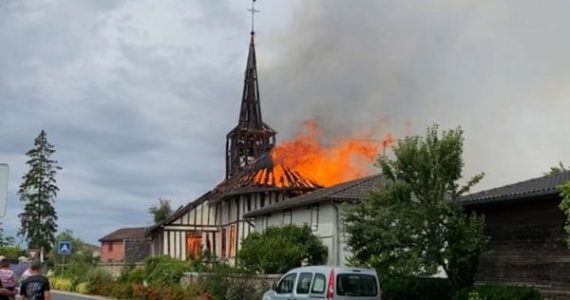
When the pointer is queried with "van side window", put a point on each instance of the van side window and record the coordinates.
(319, 284)
(304, 283)
(285, 286)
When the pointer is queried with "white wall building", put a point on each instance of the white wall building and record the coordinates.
(322, 211)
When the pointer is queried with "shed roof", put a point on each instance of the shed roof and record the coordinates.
(531, 188)
(354, 190)
(125, 234)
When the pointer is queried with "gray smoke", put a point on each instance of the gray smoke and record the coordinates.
(499, 69)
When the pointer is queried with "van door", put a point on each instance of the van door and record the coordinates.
(303, 286)
(353, 286)
(284, 289)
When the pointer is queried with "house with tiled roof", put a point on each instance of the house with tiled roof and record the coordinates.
(125, 245)
(528, 241)
(321, 210)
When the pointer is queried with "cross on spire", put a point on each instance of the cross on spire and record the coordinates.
(253, 12)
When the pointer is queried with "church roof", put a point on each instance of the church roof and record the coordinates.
(536, 187)
(264, 175)
(354, 190)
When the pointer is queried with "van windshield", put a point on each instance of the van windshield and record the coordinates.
(357, 285)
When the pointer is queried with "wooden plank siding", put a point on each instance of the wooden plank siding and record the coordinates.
(527, 246)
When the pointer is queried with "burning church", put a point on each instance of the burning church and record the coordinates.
(253, 180)
(262, 177)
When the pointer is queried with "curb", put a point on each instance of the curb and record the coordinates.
(80, 295)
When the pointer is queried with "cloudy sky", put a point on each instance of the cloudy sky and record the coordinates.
(137, 95)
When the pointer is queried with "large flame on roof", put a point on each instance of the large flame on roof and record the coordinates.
(340, 160)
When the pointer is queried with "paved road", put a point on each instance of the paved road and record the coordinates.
(57, 296)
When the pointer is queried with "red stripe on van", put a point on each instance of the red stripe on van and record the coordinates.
(330, 288)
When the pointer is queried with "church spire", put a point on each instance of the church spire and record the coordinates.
(251, 138)
(250, 113)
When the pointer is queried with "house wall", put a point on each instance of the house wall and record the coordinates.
(112, 251)
(528, 245)
(136, 250)
(171, 240)
(327, 226)
(220, 224)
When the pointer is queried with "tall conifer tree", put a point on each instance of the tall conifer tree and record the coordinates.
(38, 192)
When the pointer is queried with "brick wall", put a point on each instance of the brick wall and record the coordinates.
(112, 251)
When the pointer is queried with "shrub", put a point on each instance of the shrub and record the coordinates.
(82, 288)
(240, 289)
(408, 288)
(214, 285)
(279, 249)
(499, 292)
(120, 290)
(62, 284)
(99, 282)
(176, 292)
(136, 275)
(165, 270)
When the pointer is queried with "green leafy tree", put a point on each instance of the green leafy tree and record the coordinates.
(565, 207)
(161, 211)
(74, 265)
(557, 169)
(5, 241)
(279, 249)
(8, 247)
(38, 192)
(414, 225)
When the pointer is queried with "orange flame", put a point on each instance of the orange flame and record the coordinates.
(344, 159)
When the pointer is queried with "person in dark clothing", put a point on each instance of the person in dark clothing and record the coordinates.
(6, 294)
(36, 287)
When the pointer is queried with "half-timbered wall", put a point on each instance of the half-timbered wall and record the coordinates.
(233, 227)
(221, 225)
(173, 239)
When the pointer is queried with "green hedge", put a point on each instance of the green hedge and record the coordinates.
(499, 292)
(413, 288)
(408, 288)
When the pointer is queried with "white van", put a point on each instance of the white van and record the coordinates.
(326, 282)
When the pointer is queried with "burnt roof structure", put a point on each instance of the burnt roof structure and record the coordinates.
(264, 175)
(251, 137)
(532, 188)
(354, 190)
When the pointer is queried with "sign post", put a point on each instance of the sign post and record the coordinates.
(64, 249)
(4, 172)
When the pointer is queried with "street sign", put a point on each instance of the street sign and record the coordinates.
(33, 253)
(3, 188)
(64, 247)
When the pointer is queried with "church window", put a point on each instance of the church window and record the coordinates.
(224, 242)
(315, 218)
(266, 221)
(233, 240)
(287, 217)
(262, 200)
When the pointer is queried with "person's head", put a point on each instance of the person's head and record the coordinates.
(4, 263)
(36, 266)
